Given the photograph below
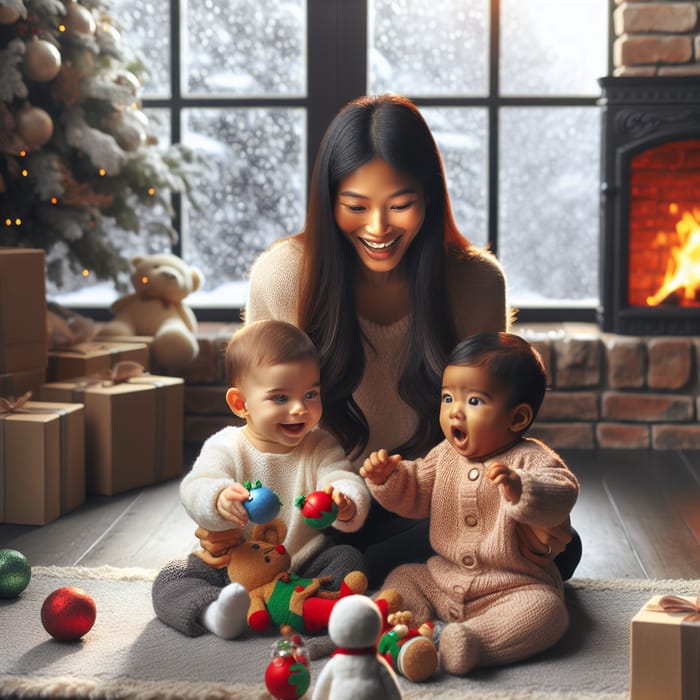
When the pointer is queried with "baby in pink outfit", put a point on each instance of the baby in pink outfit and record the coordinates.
(477, 486)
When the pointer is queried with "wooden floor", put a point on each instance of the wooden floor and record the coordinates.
(638, 516)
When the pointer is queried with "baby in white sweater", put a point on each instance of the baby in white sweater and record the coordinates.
(274, 386)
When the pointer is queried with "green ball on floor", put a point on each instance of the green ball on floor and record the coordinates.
(15, 573)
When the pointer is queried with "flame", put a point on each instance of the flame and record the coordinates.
(683, 266)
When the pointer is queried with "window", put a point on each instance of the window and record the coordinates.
(508, 87)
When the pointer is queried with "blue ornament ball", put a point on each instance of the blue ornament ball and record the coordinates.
(263, 505)
(15, 573)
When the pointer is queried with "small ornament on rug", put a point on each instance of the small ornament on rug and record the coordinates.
(263, 504)
(15, 573)
(68, 613)
(318, 509)
(287, 676)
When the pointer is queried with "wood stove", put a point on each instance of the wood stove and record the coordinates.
(650, 206)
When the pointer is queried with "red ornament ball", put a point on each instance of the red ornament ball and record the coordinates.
(68, 613)
(318, 509)
(286, 678)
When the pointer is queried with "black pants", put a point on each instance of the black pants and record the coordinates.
(388, 540)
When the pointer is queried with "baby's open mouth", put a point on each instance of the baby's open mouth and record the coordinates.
(294, 428)
(459, 437)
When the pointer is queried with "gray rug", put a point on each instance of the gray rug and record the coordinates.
(130, 654)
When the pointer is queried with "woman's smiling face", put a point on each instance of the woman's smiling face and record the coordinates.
(380, 211)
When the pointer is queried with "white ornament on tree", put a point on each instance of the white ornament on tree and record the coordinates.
(79, 19)
(42, 60)
(128, 131)
(8, 15)
(35, 126)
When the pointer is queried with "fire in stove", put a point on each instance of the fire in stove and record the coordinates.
(681, 283)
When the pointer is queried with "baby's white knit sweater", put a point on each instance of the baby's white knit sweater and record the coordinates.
(316, 462)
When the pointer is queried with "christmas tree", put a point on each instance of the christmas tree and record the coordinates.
(78, 161)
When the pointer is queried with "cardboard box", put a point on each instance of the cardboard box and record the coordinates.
(170, 422)
(23, 338)
(15, 384)
(93, 358)
(42, 462)
(146, 340)
(665, 652)
(133, 430)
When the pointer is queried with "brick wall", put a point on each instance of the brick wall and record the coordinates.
(604, 390)
(657, 37)
(615, 391)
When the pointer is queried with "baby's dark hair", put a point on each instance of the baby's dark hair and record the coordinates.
(512, 362)
(265, 343)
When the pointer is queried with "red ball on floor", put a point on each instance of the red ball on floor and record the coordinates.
(68, 613)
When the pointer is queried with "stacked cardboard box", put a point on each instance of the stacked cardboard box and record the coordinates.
(134, 429)
(87, 432)
(42, 446)
(93, 358)
(42, 462)
(23, 342)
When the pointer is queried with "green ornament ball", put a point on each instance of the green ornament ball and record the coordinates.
(15, 573)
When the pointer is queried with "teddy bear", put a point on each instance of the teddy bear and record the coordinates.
(356, 670)
(278, 596)
(161, 282)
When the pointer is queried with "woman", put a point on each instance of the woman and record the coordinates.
(385, 285)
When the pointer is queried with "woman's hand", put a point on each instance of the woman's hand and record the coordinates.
(379, 466)
(542, 545)
(216, 545)
(229, 504)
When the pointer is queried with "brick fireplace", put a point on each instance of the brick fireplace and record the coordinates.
(650, 205)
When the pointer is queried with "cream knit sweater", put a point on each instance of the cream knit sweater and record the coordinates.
(476, 289)
(228, 456)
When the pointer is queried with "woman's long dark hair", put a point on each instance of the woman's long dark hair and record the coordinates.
(392, 129)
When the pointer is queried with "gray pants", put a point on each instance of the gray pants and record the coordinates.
(185, 587)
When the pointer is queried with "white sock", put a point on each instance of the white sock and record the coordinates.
(227, 616)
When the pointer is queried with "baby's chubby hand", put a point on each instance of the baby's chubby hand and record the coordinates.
(508, 478)
(346, 506)
(229, 504)
(379, 466)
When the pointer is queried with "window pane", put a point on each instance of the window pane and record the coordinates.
(145, 27)
(244, 47)
(549, 185)
(416, 49)
(253, 194)
(461, 136)
(553, 47)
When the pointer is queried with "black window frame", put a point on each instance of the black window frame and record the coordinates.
(336, 73)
